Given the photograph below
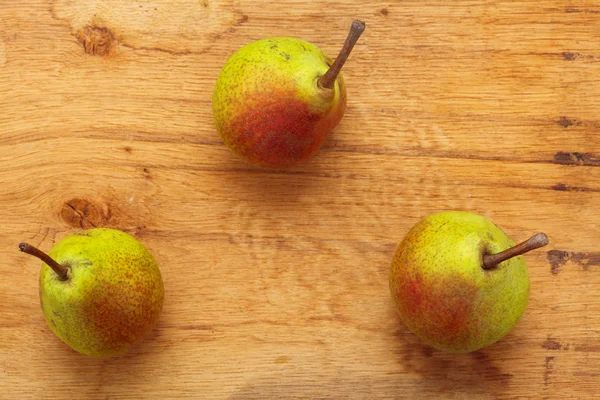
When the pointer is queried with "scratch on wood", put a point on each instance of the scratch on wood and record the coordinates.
(548, 365)
(585, 373)
(46, 232)
(572, 10)
(162, 50)
(196, 327)
(2, 52)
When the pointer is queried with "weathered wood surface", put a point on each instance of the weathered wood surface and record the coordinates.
(276, 283)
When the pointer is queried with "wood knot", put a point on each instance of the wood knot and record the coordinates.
(96, 40)
(82, 213)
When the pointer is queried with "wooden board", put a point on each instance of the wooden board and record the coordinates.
(276, 282)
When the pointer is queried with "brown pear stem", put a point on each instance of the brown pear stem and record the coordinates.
(328, 80)
(534, 242)
(60, 270)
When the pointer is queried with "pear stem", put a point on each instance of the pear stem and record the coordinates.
(60, 270)
(328, 80)
(534, 242)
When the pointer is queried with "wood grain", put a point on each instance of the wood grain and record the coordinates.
(276, 282)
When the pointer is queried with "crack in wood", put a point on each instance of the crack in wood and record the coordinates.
(82, 215)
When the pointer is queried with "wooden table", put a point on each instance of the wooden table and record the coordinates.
(276, 282)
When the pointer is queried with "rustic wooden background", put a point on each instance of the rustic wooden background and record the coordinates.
(276, 282)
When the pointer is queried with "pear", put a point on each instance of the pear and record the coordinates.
(276, 100)
(458, 281)
(101, 291)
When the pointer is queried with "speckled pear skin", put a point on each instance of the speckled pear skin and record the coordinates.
(268, 107)
(113, 296)
(442, 293)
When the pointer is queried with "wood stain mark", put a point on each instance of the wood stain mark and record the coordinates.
(570, 56)
(424, 360)
(567, 122)
(575, 158)
(586, 260)
(585, 373)
(427, 351)
(587, 348)
(573, 10)
(576, 56)
(558, 258)
(553, 344)
(413, 359)
(491, 371)
(561, 187)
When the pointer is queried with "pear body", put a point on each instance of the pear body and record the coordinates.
(268, 107)
(113, 295)
(442, 293)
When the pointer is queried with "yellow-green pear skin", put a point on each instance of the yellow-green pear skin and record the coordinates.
(113, 295)
(268, 107)
(442, 293)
